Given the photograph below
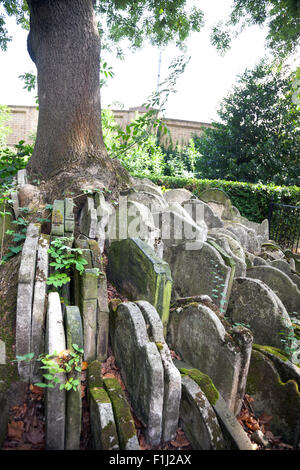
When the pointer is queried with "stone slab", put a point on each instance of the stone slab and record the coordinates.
(58, 216)
(123, 418)
(103, 427)
(55, 399)
(74, 335)
(172, 379)
(140, 274)
(141, 368)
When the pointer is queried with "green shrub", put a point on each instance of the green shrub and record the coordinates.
(252, 200)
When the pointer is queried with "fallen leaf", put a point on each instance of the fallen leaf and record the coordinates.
(84, 365)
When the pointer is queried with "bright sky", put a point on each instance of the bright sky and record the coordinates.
(206, 80)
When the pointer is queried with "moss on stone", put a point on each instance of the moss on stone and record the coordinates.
(122, 414)
(275, 351)
(204, 382)
(159, 346)
(95, 374)
(99, 395)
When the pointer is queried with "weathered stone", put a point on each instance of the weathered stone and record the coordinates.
(175, 228)
(154, 202)
(253, 303)
(132, 220)
(88, 218)
(275, 398)
(172, 379)
(140, 274)
(95, 374)
(149, 188)
(103, 427)
(89, 284)
(199, 210)
(21, 177)
(141, 367)
(102, 319)
(88, 309)
(230, 262)
(27, 266)
(288, 269)
(55, 400)
(200, 271)
(15, 203)
(178, 195)
(198, 418)
(74, 335)
(58, 218)
(226, 243)
(246, 236)
(280, 283)
(25, 298)
(38, 320)
(69, 217)
(123, 418)
(286, 368)
(258, 261)
(199, 336)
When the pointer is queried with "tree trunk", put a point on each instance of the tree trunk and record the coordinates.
(64, 44)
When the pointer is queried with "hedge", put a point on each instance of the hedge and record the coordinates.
(252, 200)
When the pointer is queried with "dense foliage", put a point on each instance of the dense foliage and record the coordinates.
(258, 139)
(252, 200)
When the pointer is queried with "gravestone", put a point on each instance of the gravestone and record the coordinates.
(199, 336)
(172, 379)
(38, 320)
(253, 303)
(178, 195)
(198, 418)
(137, 272)
(55, 399)
(280, 283)
(199, 210)
(74, 335)
(103, 426)
(141, 368)
(25, 298)
(199, 271)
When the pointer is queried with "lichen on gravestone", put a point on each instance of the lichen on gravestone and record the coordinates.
(103, 427)
(123, 417)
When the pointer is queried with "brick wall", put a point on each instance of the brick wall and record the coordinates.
(24, 120)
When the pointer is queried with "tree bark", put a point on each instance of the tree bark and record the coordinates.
(64, 43)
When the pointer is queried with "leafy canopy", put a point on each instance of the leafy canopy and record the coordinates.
(282, 17)
(165, 21)
(258, 138)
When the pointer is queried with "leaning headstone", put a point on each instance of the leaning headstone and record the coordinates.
(253, 303)
(176, 228)
(132, 219)
(199, 271)
(88, 303)
(88, 218)
(280, 283)
(103, 426)
(204, 340)
(39, 307)
(240, 264)
(272, 396)
(25, 298)
(140, 274)
(123, 418)
(199, 210)
(58, 217)
(69, 217)
(289, 270)
(21, 177)
(178, 195)
(74, 335)
(141, 368)
(234, 435)
(198, 418)
(172, 379)
(55, 400)
(15, 203)
(154, 202)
